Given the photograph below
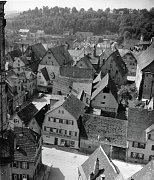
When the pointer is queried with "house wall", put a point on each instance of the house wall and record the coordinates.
(60, 113)
(147, 152)
(110, 67)
(41, 81)
(17, 65)
(105, 101)
(138, 77)
(34, 126)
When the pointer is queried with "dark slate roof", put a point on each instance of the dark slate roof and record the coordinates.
(146, 173)
(105, 163)
(106, 81)
(87, 62)
(61, 55)
(147, 57)
(74, 106)
(24, 60)
(139, 120)
(27, 113)
(76, 72)
(39, 116)
(15, 53)
(110, 130)
(39, 50)
(26, 144)
(45, 73)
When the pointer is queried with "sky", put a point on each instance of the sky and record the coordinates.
(22, 5)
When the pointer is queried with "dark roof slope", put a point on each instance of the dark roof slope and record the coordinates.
(27, 113)
(24, 60)
(76, 72)
(110, 130)
(74, 106)
(88, 166)
(106, 81)
(45, 73)
(61, 55)
(147, 57)
(146, 173)
(139, 120)
(26, 144)
(15, 53)
(39, 116)
(39, 50)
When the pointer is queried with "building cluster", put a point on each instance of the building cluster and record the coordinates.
(84, 108)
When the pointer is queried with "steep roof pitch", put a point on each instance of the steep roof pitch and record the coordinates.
(110, 130)
(106, 81)
(146, 173)
(61, 55)
(39, 116)
(24, 60)
(45, 73)
(105, 163)
(26, 144)
(138, 121)
(147, 57)
(15, 53)
(75, 72)
(27, 113)
(39, 50)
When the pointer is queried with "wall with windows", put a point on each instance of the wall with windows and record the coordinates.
(59, 127)
(140, 152)
(105, 101)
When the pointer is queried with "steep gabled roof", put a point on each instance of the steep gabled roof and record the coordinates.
(146, 173)
(39, 116)
(27, 113)
(39, 50)
(147, 57)
(106, 81)
(110, 130)
(26, 144)
(45, 73)
(76, 72)
(105, 163)
(24, 60)
(139, 120)
(61, 55)
(15, 53)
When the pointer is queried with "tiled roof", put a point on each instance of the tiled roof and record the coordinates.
(139, 120)
(147, 57)
(75, 72)
(27, 113)
(24, 60)
(74, 106)
(146, 173)
(45, 73)
(106, 81)
(76, 53)
(105, 163)
(110, 130)
(39, 116)
(26, 144)
(61, 55)
(15, 53)
(39, 50)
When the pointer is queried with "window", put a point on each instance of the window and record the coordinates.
(72, 144)
(49, 57)
(24, 165)
(152, 147)
(141, 145)
(102, 102)
(57, 120)
(151, 157)
(18, 68)
(135, 144)
(15, 176)
(55, 130)
(75, 133)
(134, 155)
(149, 136)
(15, 164)
(104, 97)
(51, 119)
(140, 156)
(24, 177)
(16, 121)
(60, 131)
(60, 120)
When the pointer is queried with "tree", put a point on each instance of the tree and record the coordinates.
(127, 35)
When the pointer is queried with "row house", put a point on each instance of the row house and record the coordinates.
(78, 79)
(105, 97)
(16, 91)
(53, 59)
(110, 133)
(27, 154)
(99, 166)
(60, 126)
(115, 66)
(145, 73)
(140, 136)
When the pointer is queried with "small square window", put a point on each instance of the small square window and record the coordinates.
(102, 102)
(152, 147)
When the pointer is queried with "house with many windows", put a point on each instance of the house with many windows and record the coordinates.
(27, 154)
(60, 126)
(140, 135)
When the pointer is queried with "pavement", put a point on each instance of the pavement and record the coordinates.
(63, 165)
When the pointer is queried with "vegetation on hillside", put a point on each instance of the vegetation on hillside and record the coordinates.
(57, 20)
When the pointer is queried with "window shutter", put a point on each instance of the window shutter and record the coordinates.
(27, 165)
(27, 177)
(20, 164)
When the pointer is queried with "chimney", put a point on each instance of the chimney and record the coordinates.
(94, 52)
